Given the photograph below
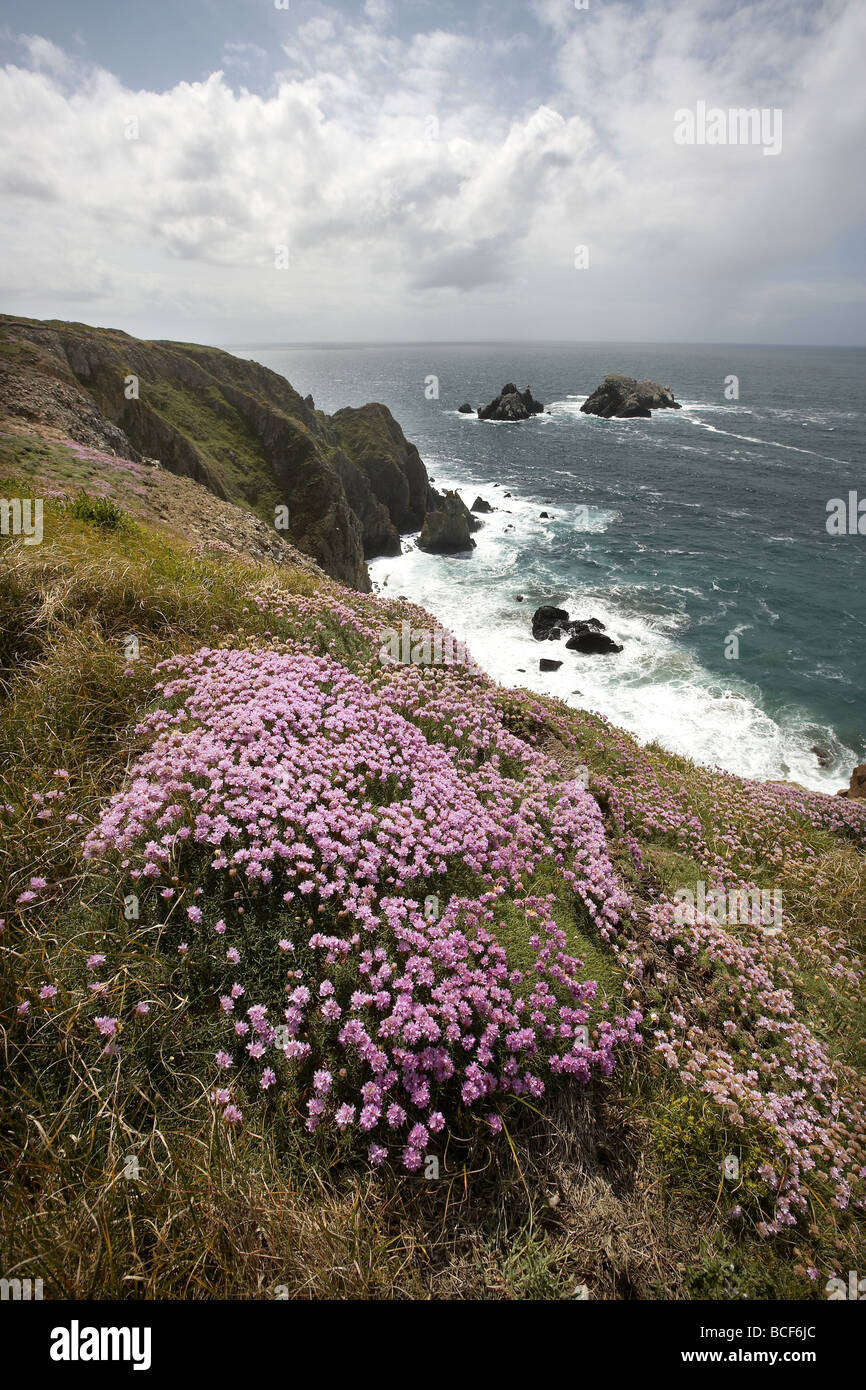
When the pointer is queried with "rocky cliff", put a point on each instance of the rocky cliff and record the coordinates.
(351, 483)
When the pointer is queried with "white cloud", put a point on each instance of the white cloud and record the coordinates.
(243, 55)
(45, 55)
(415, 199)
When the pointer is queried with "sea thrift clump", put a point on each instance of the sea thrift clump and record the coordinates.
(341, 807)
(760, 1064)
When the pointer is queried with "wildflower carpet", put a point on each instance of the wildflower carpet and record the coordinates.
(360, 979)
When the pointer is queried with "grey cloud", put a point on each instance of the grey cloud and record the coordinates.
(464, 267)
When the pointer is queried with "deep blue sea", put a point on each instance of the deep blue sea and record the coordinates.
(678, 532)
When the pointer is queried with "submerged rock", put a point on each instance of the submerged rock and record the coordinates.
(823, 754)
(625, 398)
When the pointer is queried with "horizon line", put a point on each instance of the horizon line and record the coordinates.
(519, 342)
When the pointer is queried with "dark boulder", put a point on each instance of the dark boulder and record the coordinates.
(545, 664)
(512, 404)
(586, 635)
(582, 624)
(548, 614)
(466, 408)
(823, 754)
(547, 623)
(591, 642)
(625, 398)
(481, 505)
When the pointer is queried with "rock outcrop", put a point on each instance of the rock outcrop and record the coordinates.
(591, 642)
(625, 398)
(447, 526)
(466, 409)
(856, 789)
(547, 622)
(351, 484)
(383, 475)
(511, 404)
(586, 635)
(481, 505)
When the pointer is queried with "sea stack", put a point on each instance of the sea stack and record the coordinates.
(512, 404)
(625, 398)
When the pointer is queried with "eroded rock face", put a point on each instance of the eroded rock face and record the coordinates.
(447, 526)
(393, 467)
(625, 398)
(512, 404)
(59, 404)
(384, 477)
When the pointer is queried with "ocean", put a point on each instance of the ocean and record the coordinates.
(679, 533)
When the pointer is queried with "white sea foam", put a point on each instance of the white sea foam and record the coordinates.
(656, 688)
(571, 407)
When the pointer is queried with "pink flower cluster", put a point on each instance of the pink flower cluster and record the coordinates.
(409, 821)
(760, 1062)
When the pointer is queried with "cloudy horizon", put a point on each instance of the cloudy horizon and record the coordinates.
(243, 173)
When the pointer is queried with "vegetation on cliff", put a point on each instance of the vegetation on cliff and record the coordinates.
(347, 977)
(348, 486)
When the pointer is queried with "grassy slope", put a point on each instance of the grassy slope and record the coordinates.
(617, 1185)
(197, 410)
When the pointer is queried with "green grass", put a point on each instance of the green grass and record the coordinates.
(100, 512)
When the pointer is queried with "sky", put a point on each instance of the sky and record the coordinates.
(263, 171)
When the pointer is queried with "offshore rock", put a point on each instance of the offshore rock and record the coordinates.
(624, 398)
(512, 404)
